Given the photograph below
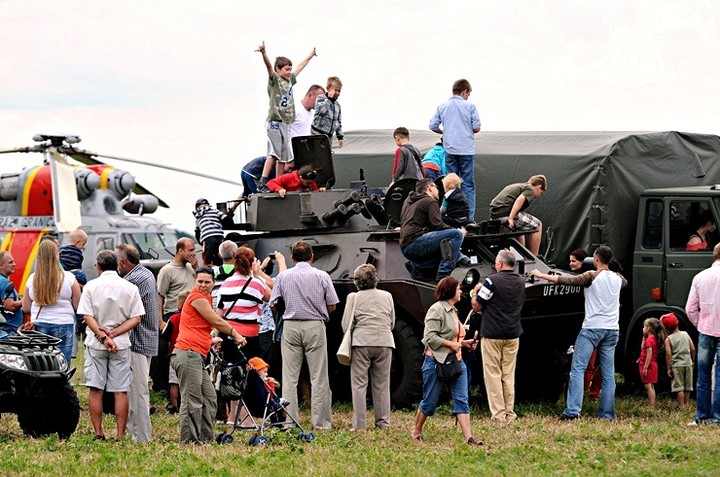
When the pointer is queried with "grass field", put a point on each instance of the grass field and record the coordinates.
(641, 441)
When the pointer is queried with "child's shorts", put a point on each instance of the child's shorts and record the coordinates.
(279, 141)
(682, 378)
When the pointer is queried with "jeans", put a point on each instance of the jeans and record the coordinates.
(424, 251)
(708, 353)
(589, 340)
(432, 387)
(464, 167)
(64, 332)
(249, 186)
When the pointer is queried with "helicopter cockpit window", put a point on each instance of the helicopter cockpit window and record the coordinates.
(153, 245)
(104, 243)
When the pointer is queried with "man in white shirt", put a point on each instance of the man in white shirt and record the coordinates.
(304, 117)
(111, 307)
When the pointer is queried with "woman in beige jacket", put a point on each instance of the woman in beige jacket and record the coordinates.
(371, 313)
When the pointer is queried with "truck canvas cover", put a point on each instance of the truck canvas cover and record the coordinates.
(594, 178)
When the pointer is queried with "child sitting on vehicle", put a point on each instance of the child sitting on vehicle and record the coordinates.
(209, 231)
(680, 358)
(454, 209)
(302, 180)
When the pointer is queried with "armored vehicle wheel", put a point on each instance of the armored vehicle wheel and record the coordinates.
(58, 413)
(406, 373)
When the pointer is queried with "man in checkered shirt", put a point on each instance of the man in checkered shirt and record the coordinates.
(144, 341)
(309, 298)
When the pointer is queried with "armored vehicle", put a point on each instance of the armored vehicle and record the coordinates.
(358, 224)
(35, 385)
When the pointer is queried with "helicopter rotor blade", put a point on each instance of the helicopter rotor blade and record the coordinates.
(159, 166)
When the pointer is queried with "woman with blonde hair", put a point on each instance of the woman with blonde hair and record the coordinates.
(51, 297)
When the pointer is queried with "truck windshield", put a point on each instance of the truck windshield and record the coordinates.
(153, 245)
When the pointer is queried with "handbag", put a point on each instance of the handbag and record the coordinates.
(344, 353)
(450, 368)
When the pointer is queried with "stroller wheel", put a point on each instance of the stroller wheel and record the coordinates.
(309, 437)
(253, 440)
(261, 441)
(219, 437)
(226, 439)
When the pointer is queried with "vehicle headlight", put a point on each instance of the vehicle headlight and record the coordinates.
(61, 361)
(13, 361)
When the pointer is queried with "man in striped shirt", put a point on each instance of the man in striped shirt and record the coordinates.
(144, 341)
(209, 231)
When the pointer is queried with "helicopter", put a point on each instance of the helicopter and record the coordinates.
(58, 196)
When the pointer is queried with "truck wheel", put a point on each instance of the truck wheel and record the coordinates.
(58, 413)
(406, 374)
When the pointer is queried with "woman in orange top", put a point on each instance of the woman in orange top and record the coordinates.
(197, 393)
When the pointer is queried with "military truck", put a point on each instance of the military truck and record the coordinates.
(641, 193)
(35, 385)
(356, 224)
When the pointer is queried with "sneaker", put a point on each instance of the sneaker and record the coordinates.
(565, 417)
(171, 409)
(415, 275)
(99, 437)
(284, 402)
(464, 261)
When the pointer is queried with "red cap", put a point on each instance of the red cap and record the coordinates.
(669, 320)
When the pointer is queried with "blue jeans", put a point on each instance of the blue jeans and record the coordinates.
(424, 251)
(708, 353)
(248, 182)
(64, 332)
(432, 387)
(464, 167)
(588, 341)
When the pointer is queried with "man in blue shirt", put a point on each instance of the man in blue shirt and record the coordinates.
(460, 121)
(12, 315)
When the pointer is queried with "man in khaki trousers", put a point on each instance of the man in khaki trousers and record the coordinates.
(500, 297)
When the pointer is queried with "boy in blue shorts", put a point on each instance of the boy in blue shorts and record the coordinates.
(281, 80)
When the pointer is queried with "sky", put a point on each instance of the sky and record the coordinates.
(180, 83)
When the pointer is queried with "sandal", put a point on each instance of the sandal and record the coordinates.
(473, 442)
(419, 437)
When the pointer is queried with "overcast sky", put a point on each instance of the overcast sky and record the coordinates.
(180, 82)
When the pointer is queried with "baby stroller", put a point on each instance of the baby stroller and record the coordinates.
(241, 382)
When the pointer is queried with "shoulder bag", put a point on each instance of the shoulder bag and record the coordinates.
(344, 353)
(450, 368)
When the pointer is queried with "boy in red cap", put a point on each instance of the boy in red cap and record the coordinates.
(680, 356)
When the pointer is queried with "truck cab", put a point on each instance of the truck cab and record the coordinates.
(663, 267)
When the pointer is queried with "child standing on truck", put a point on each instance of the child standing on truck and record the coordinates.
(653, 335)
(328, 115)
(680, 356)
(408, 162)
(281, 80)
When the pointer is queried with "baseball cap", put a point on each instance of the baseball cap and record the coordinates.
(200, 202)
(669, 320)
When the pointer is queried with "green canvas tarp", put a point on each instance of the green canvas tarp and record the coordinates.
(594, 178)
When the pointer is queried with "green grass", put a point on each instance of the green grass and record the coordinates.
(641, 441)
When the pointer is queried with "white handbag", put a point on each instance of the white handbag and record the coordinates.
(344, 353)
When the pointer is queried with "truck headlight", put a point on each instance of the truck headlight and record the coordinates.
(13, 361)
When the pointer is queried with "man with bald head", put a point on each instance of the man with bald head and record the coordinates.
(144, 341)
(177, 275)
